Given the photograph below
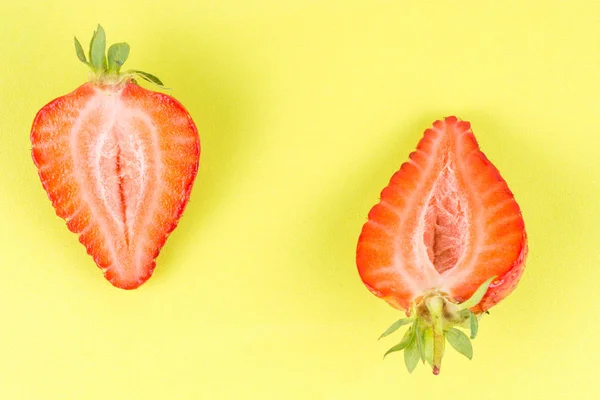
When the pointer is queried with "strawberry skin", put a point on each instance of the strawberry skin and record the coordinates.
(118, 163)
(447, 231)
(451, 194)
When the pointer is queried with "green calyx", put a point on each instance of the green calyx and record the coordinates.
(106, 66)
(433, 320)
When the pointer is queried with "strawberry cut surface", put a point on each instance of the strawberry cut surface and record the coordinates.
(446, 220)
(447, 231)
(118, 163)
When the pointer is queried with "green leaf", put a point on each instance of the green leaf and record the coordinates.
(411, 356)
(477, 296)
(460, 342)
(395, 326)
(117, 55)
(149, 77)
(80, 52)
(428, 346)
(420, 342)
(90, 47)
(474, 325)
(407, 339)
(98, 50)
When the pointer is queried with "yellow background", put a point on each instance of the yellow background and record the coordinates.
(305, 110)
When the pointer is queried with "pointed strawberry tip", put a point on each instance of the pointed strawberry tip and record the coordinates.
(451, 119)
(462, 125)
(128, 287)
(125, 282)
(132, 285)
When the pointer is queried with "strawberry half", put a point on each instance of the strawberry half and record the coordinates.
(445, 243)
(118, 163)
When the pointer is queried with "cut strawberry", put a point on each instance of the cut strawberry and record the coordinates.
(446, 225)
(118, 163)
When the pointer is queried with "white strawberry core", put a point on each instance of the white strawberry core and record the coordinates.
(442, 234)
(117, 161)
(120, 165)
(446, 226)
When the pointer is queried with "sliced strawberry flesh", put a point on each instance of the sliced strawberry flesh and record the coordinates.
(118, 164)
(447, 221)
(446, 224)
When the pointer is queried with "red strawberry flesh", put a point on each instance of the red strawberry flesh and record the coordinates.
(118, 163)
(446, 221)
(445, 228)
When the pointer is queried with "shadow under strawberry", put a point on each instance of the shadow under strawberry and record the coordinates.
(341, 211)
(218, 88)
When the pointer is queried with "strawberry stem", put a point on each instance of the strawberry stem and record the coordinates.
(434, 318)
(435, 305)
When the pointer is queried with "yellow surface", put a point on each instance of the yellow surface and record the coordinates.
(305, 109)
